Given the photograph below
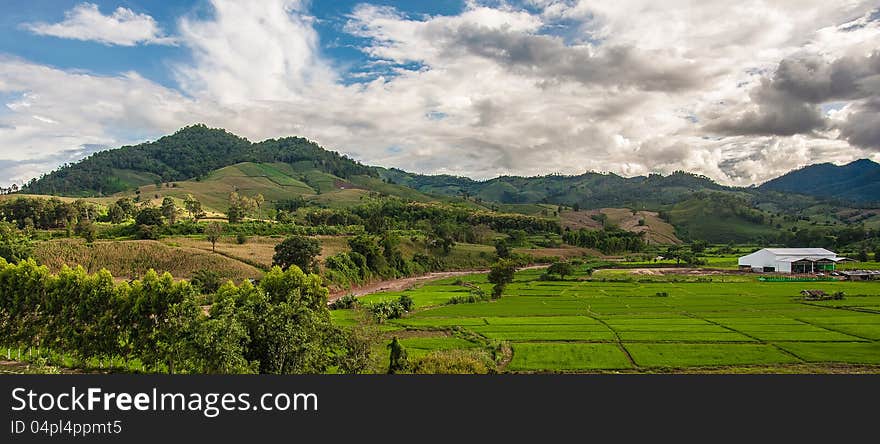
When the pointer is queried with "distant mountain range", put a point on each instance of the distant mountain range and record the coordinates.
(858, 181)
(195, 152)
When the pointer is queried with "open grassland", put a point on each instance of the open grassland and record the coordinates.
(130, 259)
(726, 323)
(257, 250)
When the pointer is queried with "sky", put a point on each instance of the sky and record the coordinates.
(740, 91)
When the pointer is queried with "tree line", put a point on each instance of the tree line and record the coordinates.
(280, 326)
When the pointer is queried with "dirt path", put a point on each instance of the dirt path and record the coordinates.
(407, 283)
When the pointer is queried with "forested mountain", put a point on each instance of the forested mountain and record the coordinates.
(590, 190)
(190, 153)
(197, 152)
(858, 181)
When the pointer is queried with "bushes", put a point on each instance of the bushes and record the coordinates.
(385, 310)
(454, 362)
(476, 294)
(344, 303)
(15, 246)
(281, 326)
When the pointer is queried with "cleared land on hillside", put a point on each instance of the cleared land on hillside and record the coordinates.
(130, 259)
(656, 230)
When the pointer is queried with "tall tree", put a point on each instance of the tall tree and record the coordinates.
(213, 232)
(501, 274)
(169, 210)
(301, 251)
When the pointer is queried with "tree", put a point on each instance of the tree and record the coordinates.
(169, 210)
(86, 229)
(259, 200)
(297, 250)
(501, 249)
(863, 256)
(116, 214)
(213, 232)
(443, 236)
(239, 207)
(194, 207)
(563, 269)
(877, 254)
(151, 216)
(501, 274)
(15, 246)
(398, 362)
(699, 246)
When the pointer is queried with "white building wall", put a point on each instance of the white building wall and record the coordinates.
(783, 267)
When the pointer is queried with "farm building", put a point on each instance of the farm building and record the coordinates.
(790, 260)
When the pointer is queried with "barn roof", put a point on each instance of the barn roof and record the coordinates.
(803, 252)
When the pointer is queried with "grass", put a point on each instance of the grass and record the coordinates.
(730, 323)
(700, 355)
(130, 259)
(567, 357)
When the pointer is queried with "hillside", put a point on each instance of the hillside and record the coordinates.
(590, 190)
(191, 153)
(657, 231)
(858, 181)
(719, 218)
(277, 181)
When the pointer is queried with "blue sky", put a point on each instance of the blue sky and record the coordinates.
(740, 92)
(152, 61)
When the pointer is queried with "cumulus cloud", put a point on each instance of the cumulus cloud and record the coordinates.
(788, 102)
(124, 27)
(558, 87)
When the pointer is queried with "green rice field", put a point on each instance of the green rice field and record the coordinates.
(583, 325)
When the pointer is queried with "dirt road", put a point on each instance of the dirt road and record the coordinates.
(409, 282)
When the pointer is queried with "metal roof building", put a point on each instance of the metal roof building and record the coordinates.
(790, 260)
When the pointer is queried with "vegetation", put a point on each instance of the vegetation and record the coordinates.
(297, 251)
(15, 246)
(281, 326)
(731, 323)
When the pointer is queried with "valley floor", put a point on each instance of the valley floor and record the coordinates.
(625, 323)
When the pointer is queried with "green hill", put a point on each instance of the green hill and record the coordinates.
(719, 218)
(858, 181)
(193, 152)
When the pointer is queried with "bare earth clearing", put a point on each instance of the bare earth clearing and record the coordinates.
(409, 282)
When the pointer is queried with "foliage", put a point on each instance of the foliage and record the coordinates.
(15, 246)
(501, 274)
(608, 241)
(344, 303)
(454, 362)
(385, 310)
(192, 152)
(300, 251)
(193, 207)
(563, 269)
(207, 281)
(398, 360)
(150, 215)
(281, 326)
(213, 232)
(169, 210)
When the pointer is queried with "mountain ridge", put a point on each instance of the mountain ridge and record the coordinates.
(195, 151)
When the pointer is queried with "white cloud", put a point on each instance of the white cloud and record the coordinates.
(124, 27)
(257, 70)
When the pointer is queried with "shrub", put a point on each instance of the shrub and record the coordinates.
(344, 303)
(454, 362)
(241, 239)
(207, 281)
(662, 294)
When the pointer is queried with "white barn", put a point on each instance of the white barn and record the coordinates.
(790, 260)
